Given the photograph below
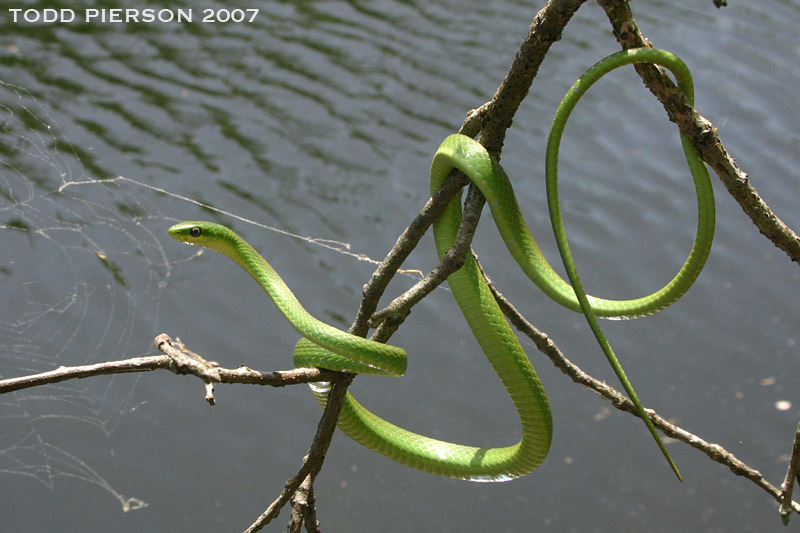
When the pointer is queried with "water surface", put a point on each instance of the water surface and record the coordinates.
(310, 130)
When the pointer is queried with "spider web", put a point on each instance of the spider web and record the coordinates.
(82, 272)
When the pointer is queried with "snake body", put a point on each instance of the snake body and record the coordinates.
(327, 347)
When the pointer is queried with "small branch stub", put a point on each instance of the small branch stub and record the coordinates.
(185, 361)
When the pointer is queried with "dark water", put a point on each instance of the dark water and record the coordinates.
(311, 129)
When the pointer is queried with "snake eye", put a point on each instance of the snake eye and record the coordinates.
(195, 232)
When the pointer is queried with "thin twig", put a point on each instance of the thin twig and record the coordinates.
(408, 240)
(303, 508)
(311, 522)
(714, 451)
(312, 462)
(241, 375)
(546, 29)
(391, 317)
(64, 373)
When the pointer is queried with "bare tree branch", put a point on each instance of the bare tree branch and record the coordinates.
(546, 29)
(408, 240)
(714, 451)
(303, 508)
(703, 135)
(312, 462)
(64, 373)
(391, 317)
(241, 375)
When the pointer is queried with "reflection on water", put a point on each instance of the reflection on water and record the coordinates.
(319, 119)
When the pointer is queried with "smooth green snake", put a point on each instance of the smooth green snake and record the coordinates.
(328, 347)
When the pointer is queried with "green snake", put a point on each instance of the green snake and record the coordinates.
(328, 347)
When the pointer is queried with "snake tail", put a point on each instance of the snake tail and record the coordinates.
(705, 221)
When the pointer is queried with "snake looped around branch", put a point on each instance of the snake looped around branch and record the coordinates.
(328, 347)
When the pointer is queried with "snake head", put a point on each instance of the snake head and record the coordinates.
(193, 232)
(209, 235)
(205, 234)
